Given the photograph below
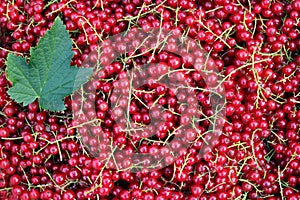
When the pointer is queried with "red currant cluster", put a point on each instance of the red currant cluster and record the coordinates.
(93, 149)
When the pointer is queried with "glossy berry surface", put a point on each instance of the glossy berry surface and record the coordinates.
(92, 149)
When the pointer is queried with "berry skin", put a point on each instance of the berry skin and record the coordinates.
(243, 55)
(4, 132)
(141, 135)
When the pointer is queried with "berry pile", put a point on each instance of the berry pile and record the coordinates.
(247, 149)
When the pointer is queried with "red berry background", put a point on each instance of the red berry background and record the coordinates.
(253, 43)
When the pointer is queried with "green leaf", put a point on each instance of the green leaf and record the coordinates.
(48, 75)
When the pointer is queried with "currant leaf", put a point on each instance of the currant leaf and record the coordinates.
(48, 75)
